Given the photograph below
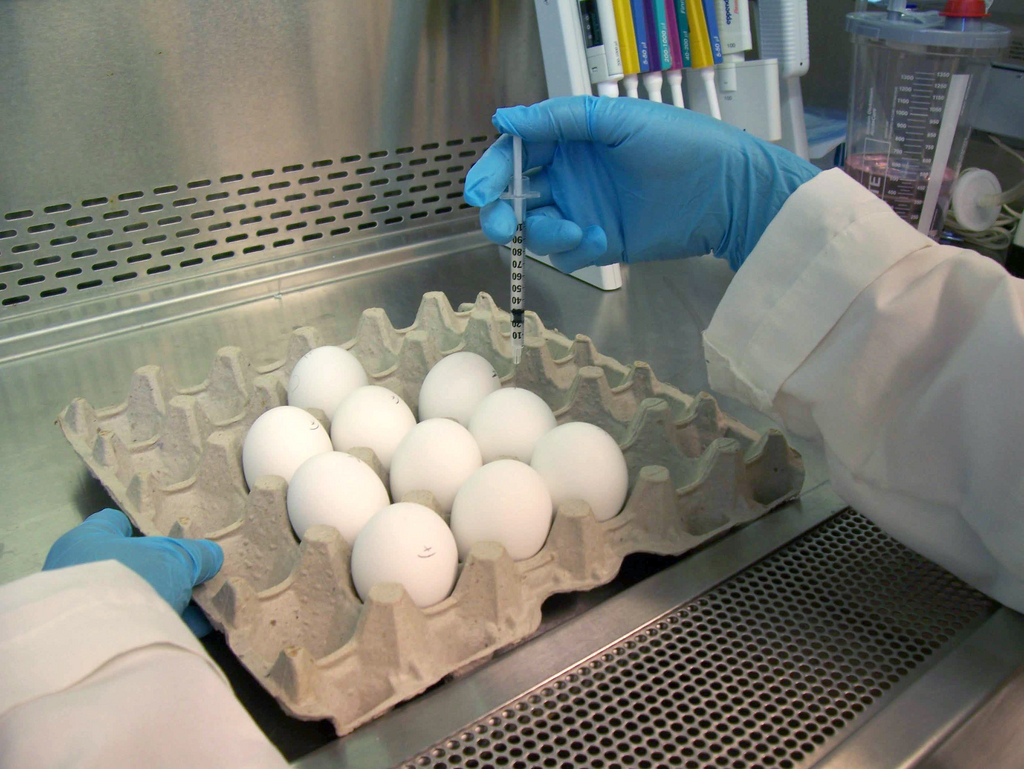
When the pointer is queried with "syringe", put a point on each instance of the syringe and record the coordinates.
(518, 248)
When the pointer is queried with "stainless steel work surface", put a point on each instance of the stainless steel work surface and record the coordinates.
(150, 140)
(657, 316)
(180, 175)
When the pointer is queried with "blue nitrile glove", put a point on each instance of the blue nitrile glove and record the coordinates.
(172, 566)
(630, 180)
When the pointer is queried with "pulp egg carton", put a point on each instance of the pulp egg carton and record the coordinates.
(171, 458)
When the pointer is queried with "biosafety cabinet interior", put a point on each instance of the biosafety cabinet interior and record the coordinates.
(180, 177)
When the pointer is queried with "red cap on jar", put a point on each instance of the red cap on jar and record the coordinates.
(965, 9)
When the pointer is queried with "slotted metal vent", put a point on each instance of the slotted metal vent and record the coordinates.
(68, 247)
(770, 669)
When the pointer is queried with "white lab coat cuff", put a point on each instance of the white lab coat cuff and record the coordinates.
(58, 627)
(817, 255)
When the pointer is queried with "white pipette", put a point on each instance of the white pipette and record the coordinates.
(517, 246)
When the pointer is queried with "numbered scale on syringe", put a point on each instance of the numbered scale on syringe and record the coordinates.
(516, 293)
(518, 192)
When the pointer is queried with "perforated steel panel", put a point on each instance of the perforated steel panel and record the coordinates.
(770, 669)
(170, 140)
(144, 235)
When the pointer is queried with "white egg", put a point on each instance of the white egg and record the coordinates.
(279, 441)
(372, 417)
(506, 502)
(437, 455)
(408, 544)
(323, 377)
(578, 460)
(335, 489)
(455, 386)
(509, 422)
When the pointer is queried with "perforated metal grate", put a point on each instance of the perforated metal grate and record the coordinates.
(770, 669)
(93, 245)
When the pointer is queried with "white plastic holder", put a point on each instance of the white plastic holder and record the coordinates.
(785, 35)
(567, 74)
(753, 106)
(604, 278)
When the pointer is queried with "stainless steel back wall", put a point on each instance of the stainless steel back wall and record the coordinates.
(143, 138)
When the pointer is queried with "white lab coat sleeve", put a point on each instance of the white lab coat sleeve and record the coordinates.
(904, 357)
(99, 671)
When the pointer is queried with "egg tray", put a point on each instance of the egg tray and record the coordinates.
(171, 458)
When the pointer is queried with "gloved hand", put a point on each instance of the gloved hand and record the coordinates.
(631, 180)
(172, 566)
